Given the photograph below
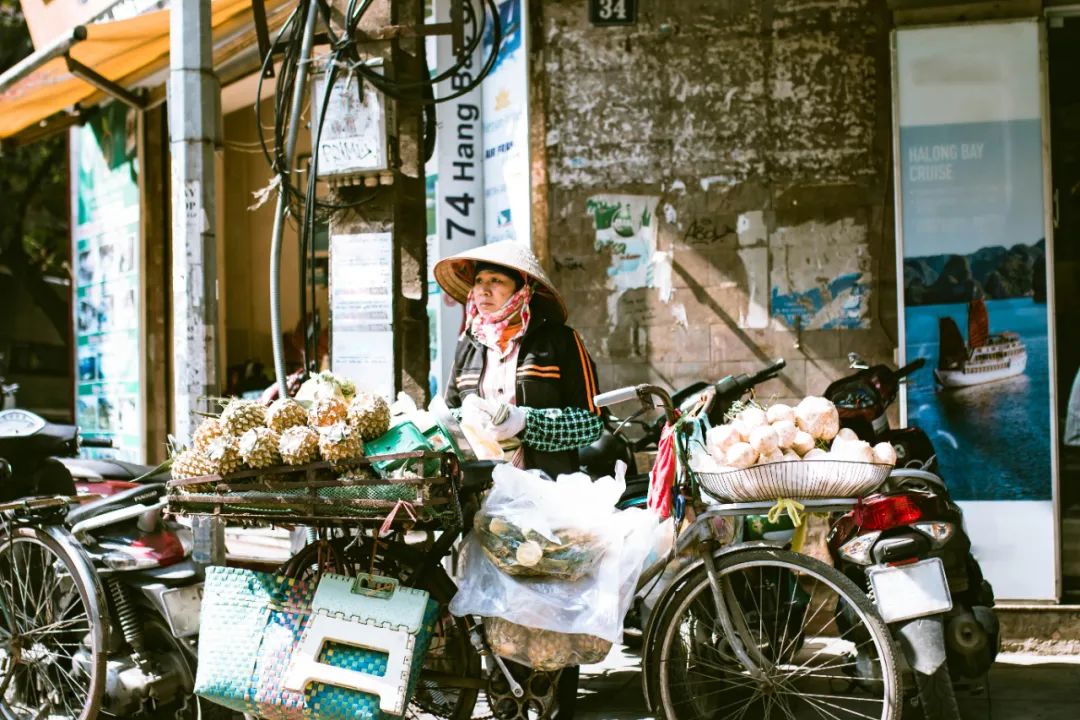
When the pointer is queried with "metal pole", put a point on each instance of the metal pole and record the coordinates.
(194, 112)
(283, 199)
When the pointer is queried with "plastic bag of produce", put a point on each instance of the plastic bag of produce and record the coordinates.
(594, 604)
(543, 649)
(530, 527)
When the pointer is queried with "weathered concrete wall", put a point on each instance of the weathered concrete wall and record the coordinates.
(763, 127)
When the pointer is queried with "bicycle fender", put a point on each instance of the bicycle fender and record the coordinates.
(651, 629)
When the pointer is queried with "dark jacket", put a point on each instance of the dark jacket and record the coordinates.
(554, 370)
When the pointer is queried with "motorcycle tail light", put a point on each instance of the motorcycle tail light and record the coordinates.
(885, 512)
(159, 549)
(857, 550)
(938, 532)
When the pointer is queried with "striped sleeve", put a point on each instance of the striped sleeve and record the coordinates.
(579, 376)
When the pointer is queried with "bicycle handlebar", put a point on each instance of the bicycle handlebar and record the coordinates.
(96, 442)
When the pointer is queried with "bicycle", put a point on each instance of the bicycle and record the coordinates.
(52, 633)
(749, 629)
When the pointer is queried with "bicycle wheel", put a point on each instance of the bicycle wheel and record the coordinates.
(451, 679)
(52, 632)
(787, 608)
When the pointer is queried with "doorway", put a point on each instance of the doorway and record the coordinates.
(1063, 52)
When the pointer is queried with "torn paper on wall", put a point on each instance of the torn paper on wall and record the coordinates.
(821, 275)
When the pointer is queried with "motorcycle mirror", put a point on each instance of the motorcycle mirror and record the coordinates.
(5, 471)
(856, 361)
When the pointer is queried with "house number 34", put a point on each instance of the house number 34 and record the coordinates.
(613, 12)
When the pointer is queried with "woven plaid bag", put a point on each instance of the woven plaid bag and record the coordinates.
(273, 646)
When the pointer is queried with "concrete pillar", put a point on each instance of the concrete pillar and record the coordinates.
(194, 118)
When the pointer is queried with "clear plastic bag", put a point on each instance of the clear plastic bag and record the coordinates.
(543, 649)
(592, 604)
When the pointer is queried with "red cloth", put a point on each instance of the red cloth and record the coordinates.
(662, 476)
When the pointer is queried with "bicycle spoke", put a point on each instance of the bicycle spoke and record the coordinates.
(818, 702)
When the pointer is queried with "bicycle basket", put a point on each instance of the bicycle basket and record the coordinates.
(795, 479)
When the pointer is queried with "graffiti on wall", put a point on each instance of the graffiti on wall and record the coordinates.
(821, 275)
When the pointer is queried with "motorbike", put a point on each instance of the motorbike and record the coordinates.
(908, 546)
(145, 590)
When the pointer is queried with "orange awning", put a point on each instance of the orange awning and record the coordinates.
(133, 53)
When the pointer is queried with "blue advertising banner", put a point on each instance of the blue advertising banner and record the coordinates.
(974, 265)
(507, 202)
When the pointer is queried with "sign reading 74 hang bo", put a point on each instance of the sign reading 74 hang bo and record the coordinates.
(613, 12)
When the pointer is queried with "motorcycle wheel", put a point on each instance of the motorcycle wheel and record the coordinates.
(50, 610)
(937, 699)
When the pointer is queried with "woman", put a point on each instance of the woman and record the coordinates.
(518, 364)
(520, 369)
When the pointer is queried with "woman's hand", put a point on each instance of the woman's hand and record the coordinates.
(504, 420)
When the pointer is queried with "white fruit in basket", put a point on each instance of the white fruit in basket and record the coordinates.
(764, 439)
(741, 428)
(803, 442)
(845, 435)
(741, 455)
(720, 438)
(707, 462)
(752, 417)
(780, 412)
(819, 417)
(774, 455)
(885, 453)
(791, 456)
(857, 451)
(785, 432)
(816, 454)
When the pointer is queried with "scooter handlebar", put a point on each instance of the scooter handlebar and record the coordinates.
(911, 367)
(614, 397)
(96, 442)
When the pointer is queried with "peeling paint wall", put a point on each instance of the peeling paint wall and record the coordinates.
(763, 127)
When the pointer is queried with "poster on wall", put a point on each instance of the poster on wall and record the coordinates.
(362, 310)
(974, 263)
(107, 298)
(507, 201)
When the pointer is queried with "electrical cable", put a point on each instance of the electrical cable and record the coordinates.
(479, 17)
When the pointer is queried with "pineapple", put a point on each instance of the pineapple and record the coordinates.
(340, 442)
(223, 456)
(240, 416)
(209, 430)
(299, 445)
(190, 464)
(284, 414)
(369, 414)
(259, 447)
(325, 412)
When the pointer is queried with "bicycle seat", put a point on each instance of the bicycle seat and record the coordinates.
(147, 494)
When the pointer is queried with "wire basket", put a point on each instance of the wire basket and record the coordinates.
(794, 480)
(315, 495)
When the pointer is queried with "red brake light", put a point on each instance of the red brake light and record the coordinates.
(164, 547)
(888, 511)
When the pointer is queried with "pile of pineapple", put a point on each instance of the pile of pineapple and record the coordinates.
(333, 427)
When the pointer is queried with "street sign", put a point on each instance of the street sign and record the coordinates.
(612, 12)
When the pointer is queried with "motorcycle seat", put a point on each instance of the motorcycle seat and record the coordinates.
(108, 469)
(147, 494)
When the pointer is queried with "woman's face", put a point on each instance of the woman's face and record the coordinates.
(491, 290)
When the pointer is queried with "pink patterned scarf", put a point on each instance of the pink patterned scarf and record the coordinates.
(499, 329)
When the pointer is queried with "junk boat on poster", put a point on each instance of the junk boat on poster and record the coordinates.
(985, 358)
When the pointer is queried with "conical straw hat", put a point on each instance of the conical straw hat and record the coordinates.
(455, 274)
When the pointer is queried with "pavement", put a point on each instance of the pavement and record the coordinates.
(1020, 687)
